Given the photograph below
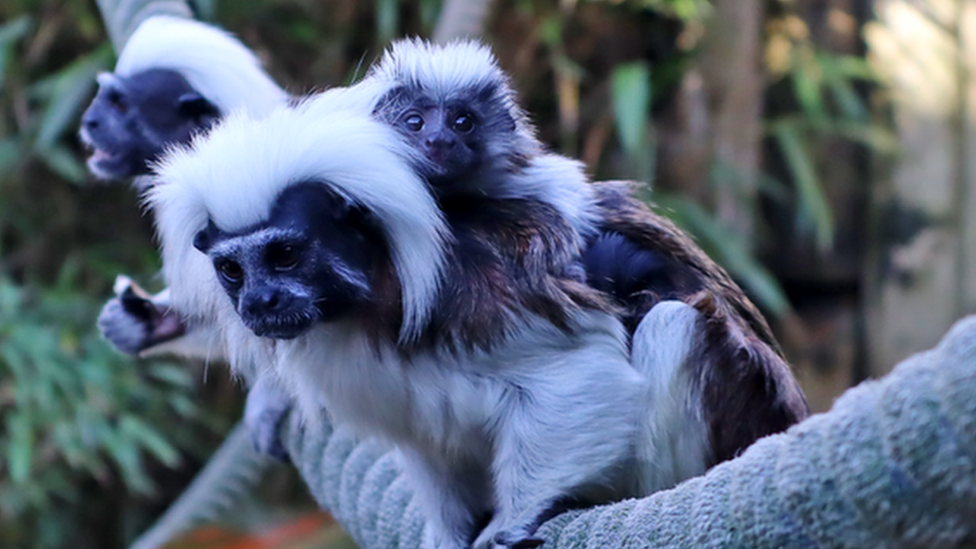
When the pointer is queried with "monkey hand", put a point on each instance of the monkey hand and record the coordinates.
(134, 321)
(264, 411)
(517, 534)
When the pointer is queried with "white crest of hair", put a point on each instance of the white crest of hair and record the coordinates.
(214, 63)
(443, 70)
(233, 174)
(560, 182)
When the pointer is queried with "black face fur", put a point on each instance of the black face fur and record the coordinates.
(465, 134)
(131, 121)
(309, 262)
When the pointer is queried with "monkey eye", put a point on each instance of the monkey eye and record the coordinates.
(283, 257)
(117, 101)
(463, 123)
(231, 271)
(414, 122)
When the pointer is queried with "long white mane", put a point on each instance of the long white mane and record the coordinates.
(233, 174)
(213, 61)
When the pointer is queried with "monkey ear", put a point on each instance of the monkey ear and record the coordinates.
(204, 239)
(110, 80)
(194, 105)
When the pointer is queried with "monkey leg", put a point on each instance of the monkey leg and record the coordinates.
(568, 437)
(266, 406)
(673, 444)
(452, 494)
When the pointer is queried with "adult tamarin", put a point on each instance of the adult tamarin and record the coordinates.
(454, 334)
(456, 107)
(174, 79)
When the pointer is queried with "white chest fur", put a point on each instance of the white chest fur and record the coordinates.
(445, 399)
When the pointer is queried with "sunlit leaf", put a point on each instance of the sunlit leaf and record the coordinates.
(806, 85)
(855, 67)
(874, 136)
(848, 101)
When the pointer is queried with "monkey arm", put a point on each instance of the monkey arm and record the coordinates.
(892, 464)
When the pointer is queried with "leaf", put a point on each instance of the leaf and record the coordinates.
(387, 20)
(151, 440)
(172, 374)
(429, 11)
(631, 87)
(806, 77)
(812, 202)
(63, 162)
(10, 32)
(204, 9)
(20, 447)
(849, 102)
(10, 154)
(878, 138)
(14, 30)
(72, 87)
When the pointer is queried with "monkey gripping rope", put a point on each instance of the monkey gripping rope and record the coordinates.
(893, 464)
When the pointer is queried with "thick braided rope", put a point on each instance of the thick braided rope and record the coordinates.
(893, 464)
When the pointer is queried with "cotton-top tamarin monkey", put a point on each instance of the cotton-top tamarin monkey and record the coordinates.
(456, 107)
(174, 79)
(452, 333)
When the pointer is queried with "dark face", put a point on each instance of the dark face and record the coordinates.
(458, 135)
(132, 120)
(308, 263)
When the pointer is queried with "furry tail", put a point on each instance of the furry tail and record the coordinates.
(674, 443)
(231, 473)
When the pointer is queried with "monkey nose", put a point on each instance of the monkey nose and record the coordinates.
(267, 300)
(440, 143)
(89, 121)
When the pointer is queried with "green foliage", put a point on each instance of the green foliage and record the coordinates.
(631, 86)
(72, 409)
(828, 106)
(84, 432)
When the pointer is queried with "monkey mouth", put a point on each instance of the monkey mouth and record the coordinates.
(103, 162)
(279, 328)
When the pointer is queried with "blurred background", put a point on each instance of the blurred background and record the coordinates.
(823, 151)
